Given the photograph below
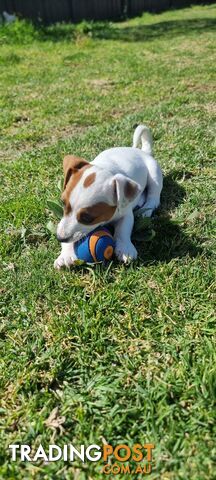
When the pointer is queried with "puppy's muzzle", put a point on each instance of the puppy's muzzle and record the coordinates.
(63, 239)
(71, 238)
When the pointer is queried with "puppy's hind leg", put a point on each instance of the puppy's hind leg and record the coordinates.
(124, 249)
(153, 190)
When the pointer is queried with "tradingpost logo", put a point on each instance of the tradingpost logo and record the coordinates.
(138, 457)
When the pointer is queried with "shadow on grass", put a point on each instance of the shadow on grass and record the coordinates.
(109, 31)
(170, 240)
(157, 30)
(24, 32)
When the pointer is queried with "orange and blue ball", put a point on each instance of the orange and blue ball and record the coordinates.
(97, 246)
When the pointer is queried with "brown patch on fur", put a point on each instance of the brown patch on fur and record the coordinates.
(71, 184)
(67, 208)
(89, 180)
(72, 164)
(130, 190)
(100, 212)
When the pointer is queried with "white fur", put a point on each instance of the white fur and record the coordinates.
(116, 165)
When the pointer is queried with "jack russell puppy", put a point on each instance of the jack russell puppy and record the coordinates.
(106, 191)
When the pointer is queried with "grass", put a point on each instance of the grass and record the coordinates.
(125, 354)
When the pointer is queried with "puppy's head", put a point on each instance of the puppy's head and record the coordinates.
(92, 196)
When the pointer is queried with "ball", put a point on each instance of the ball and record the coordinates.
(97, 246)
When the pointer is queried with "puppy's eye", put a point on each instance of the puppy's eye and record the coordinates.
(86, 218)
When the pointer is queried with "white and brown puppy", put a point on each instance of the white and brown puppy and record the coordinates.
(106, 191)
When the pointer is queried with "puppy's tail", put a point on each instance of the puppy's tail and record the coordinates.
(143, 135)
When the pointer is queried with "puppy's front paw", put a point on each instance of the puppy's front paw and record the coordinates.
(64, 261)
(125, 252)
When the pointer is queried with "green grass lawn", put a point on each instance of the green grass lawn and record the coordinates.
(125, 354)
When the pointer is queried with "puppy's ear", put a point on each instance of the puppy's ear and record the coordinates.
(72, 164)
(125, 190)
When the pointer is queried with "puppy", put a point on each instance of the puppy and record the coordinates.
(106, 191)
